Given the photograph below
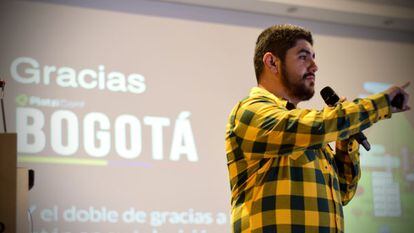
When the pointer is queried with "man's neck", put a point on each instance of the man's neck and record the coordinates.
(280, 92)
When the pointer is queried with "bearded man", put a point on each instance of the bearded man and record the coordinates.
(284, 176)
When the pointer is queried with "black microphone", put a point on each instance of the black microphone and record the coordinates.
(332, 99)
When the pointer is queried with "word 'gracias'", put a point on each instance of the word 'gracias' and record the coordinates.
(27, 70)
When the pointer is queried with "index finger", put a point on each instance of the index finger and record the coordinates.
(405, 85)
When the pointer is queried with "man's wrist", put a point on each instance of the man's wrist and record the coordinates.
(382, 105)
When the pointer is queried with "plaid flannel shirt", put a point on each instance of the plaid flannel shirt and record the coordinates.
(284, 176)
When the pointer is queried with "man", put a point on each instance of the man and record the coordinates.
(284, 176)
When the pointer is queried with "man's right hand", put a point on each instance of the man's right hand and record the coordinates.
(395, 90)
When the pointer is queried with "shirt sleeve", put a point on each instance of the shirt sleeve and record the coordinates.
(264, 129)
(349, 169)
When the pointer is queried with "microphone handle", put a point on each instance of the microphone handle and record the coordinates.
(362, 140)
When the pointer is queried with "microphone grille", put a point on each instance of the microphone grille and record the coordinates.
(329, 96)
(327, 92)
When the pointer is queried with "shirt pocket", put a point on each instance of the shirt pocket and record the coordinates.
(303, 158)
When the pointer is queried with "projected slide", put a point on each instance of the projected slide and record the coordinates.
(121, 113)
(106, 149)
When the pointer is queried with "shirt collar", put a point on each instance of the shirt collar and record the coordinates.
(258, 91)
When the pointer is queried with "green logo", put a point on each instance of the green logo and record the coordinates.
(22, 100)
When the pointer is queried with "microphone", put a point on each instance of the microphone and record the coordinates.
(332, 99)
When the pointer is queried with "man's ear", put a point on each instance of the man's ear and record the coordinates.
(271, 62)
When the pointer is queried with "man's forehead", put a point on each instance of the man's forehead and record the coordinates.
(303, 45)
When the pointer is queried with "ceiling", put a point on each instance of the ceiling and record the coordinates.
(401, 3)
(384, 14)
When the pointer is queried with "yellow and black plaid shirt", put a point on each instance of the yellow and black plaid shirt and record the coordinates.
(284, 177)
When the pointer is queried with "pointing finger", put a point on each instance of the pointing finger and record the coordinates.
(405, 85)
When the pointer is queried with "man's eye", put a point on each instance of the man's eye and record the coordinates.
(303, 57)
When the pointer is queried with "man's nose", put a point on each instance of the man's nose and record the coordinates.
(313, 67)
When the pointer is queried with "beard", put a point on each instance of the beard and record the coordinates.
(298, 89)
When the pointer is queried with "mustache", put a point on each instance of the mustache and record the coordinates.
(308, 74)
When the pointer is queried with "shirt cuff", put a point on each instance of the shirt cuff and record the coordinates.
(382, 106)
